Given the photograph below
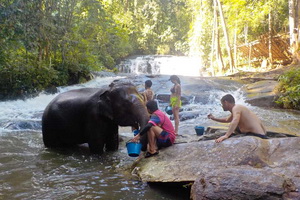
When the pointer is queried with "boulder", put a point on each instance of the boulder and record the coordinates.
(263, 100)
(186, 115)
(262, 93)
(262, 86)
(244, 183)
(241, 167)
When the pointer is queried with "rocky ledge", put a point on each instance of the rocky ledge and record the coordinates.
(238, 168)
(262, 93)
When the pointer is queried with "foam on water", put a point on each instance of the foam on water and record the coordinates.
(26, 114)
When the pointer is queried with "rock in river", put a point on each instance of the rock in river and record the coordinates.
(237, 168)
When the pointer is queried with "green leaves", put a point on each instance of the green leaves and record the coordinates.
(290, 89)
(66, 39)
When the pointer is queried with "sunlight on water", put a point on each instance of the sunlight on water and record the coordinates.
(184, 66)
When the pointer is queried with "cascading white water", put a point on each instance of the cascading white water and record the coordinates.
(164, 65)
(26, 114)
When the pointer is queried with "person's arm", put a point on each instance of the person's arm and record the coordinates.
(142, 132)
(222, 120)
(146, 129)
(154, 121)
(236, 113)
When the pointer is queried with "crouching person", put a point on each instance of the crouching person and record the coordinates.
(158, 133)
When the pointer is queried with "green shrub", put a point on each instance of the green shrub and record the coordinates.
(289, 89)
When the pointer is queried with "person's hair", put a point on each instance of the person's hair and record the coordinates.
(148, 83)
(229, 98)
(152, 105)
(174, 77)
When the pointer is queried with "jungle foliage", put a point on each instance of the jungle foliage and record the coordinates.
(47, 43)
(289, 89)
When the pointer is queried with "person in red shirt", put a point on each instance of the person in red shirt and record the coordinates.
(158, 133)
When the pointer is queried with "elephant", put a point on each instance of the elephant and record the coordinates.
(92, 115)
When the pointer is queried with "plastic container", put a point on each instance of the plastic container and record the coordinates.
(199, 130)
(133, 149)
(135, 132)
(168, 110)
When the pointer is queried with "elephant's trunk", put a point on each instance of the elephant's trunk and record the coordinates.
(143, 119)
(141, 113)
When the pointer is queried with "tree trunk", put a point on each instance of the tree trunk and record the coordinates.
(294, 28)
(297, 26)
(270, 39)
(213, 40)
(249, 55)
(226, 36)
(246, 33)
(235, 45)
(291, 21)
(220, 57)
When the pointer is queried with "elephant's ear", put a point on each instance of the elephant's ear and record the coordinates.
(104, 104)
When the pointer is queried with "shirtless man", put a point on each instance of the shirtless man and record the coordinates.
(240, 117)
(148, 93)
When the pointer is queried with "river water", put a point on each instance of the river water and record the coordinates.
(28, 170)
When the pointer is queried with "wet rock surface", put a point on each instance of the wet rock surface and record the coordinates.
(238, 168)
(262, 93)
(244, 183)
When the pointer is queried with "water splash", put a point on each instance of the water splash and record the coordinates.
(26, 114)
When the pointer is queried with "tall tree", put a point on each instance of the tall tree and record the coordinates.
(294, 6)
(228, 46)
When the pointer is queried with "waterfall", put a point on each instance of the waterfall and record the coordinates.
(165, 65)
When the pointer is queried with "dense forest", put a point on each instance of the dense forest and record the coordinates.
(48, 43)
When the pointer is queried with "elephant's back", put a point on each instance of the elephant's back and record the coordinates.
(78, 96)
(84, 93)
(64, 117)
(72, 103)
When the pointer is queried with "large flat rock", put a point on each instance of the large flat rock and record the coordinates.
(187, 161)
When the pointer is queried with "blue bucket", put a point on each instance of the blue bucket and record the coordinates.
(168, 110)
(199, 130)
(133, 149)
(135, 132)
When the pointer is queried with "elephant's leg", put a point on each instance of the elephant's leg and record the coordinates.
(51, 130)
(144, 142)
(96, 137)
(112, 137)
(96, 146)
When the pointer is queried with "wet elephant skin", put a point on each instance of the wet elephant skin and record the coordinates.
(92, 115)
